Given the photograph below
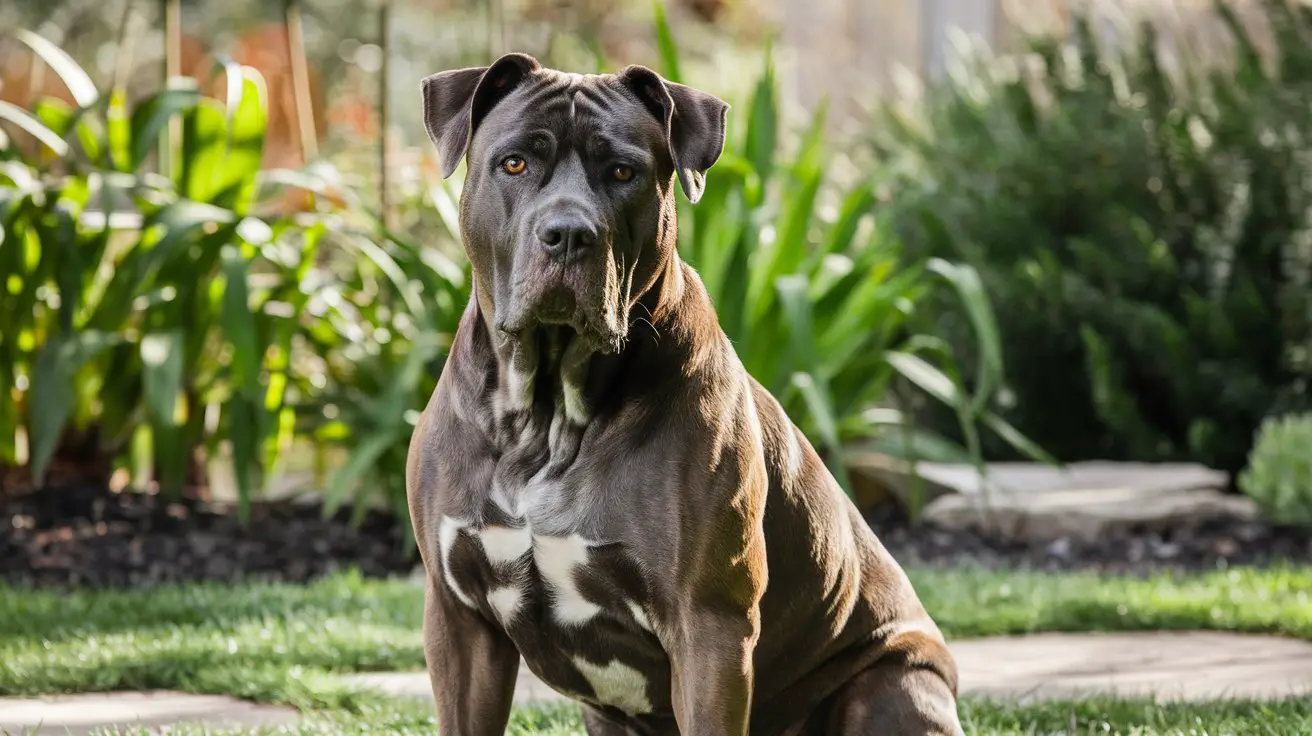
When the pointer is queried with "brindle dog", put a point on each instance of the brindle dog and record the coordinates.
(597, 484)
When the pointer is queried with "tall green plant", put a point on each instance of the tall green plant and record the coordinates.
(141, 280)
(170, 318)
(826, 312)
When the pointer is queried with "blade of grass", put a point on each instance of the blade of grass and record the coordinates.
(162, 381)
(966, 283)
(245, 141)
(762, 125)
(243, 407)
(52, 395)
(669, 51)
(1017, 439)
(24, 120)
(931, 380)
(75, 78)
(152, 116)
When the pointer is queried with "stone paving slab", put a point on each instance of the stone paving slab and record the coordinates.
(79, 715)
(1086, 515)
(1186, 666)
(1033, 502)
(1031, 479)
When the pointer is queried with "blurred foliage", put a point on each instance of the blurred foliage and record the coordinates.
(1145, 237)
(826, 311)
(155, 322)
(344, 48)
(1279, 472)
(170, 319)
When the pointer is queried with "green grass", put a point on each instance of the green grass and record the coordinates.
(285, 643)
(1099, 716)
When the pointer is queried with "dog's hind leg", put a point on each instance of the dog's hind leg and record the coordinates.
(909, 692)
(895, 700)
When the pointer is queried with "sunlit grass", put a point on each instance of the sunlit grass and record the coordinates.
(286, 643)
(280, 643)
(1097, 716)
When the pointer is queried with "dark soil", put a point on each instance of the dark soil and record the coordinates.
(92, 537)
(1211, 545)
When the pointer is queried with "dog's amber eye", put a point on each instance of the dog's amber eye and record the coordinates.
(622, 173)
(514, 165)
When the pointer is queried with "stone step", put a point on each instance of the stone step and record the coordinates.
(1032, 502)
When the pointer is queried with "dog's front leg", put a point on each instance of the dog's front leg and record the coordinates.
(712, 672)
(471, 664)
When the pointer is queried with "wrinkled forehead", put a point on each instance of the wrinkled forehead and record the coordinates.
(595, 115)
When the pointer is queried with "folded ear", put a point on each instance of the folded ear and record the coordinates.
(694, 124)
(456, 101)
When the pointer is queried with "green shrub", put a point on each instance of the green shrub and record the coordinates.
(168, 316)
(1279, 472)
(827, 311)
(1143, 237)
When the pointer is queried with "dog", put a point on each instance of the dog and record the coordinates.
(598, 486)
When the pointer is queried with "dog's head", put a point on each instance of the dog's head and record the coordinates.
(568, 210)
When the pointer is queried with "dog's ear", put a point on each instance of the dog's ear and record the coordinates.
(694, 124)
(456, 101)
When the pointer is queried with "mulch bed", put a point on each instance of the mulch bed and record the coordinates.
(93, 537)
(1212, 545)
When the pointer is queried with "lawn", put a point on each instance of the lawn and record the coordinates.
(1099, 716)
(283, 643)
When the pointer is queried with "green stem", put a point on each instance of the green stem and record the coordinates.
(384, 114)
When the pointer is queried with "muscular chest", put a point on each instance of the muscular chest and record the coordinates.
(533, 579)
(531, 533)
(577, 608)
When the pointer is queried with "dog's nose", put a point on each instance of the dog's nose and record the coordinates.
(564, 234)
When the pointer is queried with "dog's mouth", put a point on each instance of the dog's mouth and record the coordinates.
(587, 298)
(557, 307)
(599, 338)
(558, 311)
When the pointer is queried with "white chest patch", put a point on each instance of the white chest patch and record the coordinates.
(617, 684)
(640, 616)
(447, 532)
(504, 545)
(558, 559)
(505, 601)
(575, 407)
